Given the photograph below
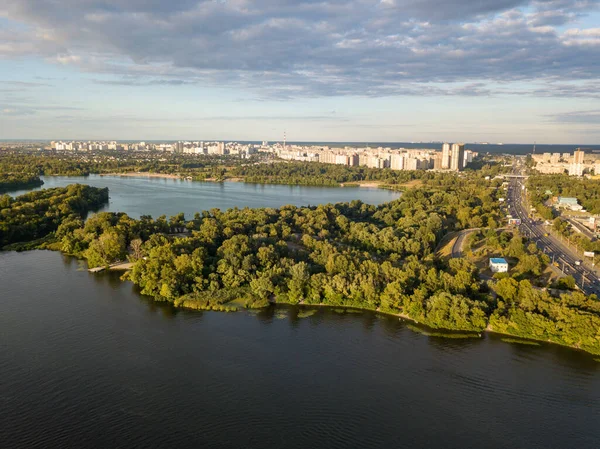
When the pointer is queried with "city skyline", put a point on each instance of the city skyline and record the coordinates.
(386, 71)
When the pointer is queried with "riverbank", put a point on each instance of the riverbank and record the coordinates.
(437, 332)
(143, 175)
(240, 179)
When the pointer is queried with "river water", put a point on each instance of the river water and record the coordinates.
(85, 362)
(158, 196)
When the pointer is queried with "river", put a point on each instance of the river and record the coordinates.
(138, 196)
(87, 362)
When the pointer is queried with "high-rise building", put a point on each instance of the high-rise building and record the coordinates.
(397, 162)
(576, 168)
(437, 161)
(457, 157)
(446, 156)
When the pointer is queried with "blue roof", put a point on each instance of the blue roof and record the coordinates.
(498, 260)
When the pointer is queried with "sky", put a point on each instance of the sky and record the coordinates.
(508, 71)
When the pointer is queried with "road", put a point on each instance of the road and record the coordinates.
(460, 241)
(586, 279)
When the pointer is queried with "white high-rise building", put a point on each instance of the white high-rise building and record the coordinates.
(397, 162)
(446, 156)
(576, 168)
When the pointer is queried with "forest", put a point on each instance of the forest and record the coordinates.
(17, 181)
(37, 214)
(347, 254)
(114, 162)
(315, 173)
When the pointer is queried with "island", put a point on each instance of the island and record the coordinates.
(404, 258)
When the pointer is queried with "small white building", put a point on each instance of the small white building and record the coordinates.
(498, 265)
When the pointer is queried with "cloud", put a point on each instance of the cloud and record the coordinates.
(578, 117)
(311, 48)
(22, 109)
(26, 84)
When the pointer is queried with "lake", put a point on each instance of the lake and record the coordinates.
(86, 362)
(157, 196)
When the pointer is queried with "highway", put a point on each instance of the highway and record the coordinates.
(586, 279)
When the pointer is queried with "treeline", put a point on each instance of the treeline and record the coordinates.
(200, 167)
(319, 174)
(256, 169)
(37, 214)
(315, 173)
(524, 311)
(16, 181)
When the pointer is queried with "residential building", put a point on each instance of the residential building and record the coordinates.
(457, 157)
(446, 154)
(397, 162)
(577, 167)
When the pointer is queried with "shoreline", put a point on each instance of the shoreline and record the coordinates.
(408, 319)
(143, 175)
(126, 267)
(360, 184)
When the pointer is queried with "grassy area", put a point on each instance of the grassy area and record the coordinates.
(415, 183)
(444, 249)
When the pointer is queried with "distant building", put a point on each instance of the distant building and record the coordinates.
(397, 162)
(445, 163)
(565, 202)
(437, 161)
(498, 265)
(457, 157)
(576, 168)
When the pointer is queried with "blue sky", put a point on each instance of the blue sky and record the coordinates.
(327, 70)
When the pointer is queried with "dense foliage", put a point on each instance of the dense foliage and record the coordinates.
(587, 191)
(315, 173)
(344, 254)
(524, 311)
(37, 214)
(199, 167)
(16, 181)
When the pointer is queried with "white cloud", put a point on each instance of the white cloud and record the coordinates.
(309, 47)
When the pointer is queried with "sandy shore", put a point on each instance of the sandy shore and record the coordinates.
(370, 185)
(143, 175)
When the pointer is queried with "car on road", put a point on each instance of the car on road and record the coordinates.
(578, 262)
